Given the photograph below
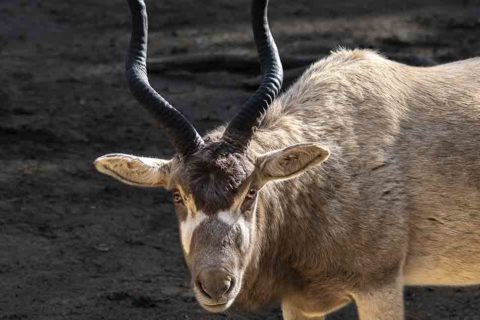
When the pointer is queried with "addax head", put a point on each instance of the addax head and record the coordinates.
(214, 183)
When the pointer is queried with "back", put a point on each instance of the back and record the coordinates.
(408, 139)
(439, 153)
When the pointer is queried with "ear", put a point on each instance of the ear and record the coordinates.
(291, 162)
(135, 171)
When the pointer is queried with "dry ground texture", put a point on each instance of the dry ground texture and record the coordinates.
(77, 245)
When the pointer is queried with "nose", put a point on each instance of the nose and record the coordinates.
(214, 283)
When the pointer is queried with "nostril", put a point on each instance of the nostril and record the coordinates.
(230, 285)
(224, 286)
(214, 284)
(202, 289)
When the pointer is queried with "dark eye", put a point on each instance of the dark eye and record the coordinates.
(252, 193)
(249, 201)
(177, 197)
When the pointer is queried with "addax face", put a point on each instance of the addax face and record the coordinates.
(215, 199)
(215, 196)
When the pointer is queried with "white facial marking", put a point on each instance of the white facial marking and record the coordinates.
(245, 228)
(231, 218)
(188, 226)
(227, 217)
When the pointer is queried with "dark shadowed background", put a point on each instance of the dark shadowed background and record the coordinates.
(77, 245)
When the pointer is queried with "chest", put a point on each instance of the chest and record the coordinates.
(313, 304)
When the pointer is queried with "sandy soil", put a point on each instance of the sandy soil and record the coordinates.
(77, 245)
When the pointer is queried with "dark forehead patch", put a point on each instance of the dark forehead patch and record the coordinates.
(215, 173)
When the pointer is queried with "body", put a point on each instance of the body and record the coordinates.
(411, 198)
(361, 178)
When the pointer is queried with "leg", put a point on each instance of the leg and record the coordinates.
(382, 303)
(290, 312)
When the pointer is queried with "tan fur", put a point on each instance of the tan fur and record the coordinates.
(396, 203)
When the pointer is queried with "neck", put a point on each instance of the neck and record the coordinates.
(293, 223)
(294, 219)
(262, 281)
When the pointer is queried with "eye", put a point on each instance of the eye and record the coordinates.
(177, 197)
(252, 193)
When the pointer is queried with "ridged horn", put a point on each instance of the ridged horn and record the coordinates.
(182, 134)
(240, 130)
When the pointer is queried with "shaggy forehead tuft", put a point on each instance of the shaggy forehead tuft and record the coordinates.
(215, 174)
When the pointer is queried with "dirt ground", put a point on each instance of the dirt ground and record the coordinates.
(77, 245)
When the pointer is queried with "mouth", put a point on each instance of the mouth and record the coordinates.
(217, 307)
(213, 306)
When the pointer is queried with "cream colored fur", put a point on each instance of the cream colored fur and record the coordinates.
(397, 202)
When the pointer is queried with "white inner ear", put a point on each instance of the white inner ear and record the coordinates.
(187, 228)
(133, 170)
